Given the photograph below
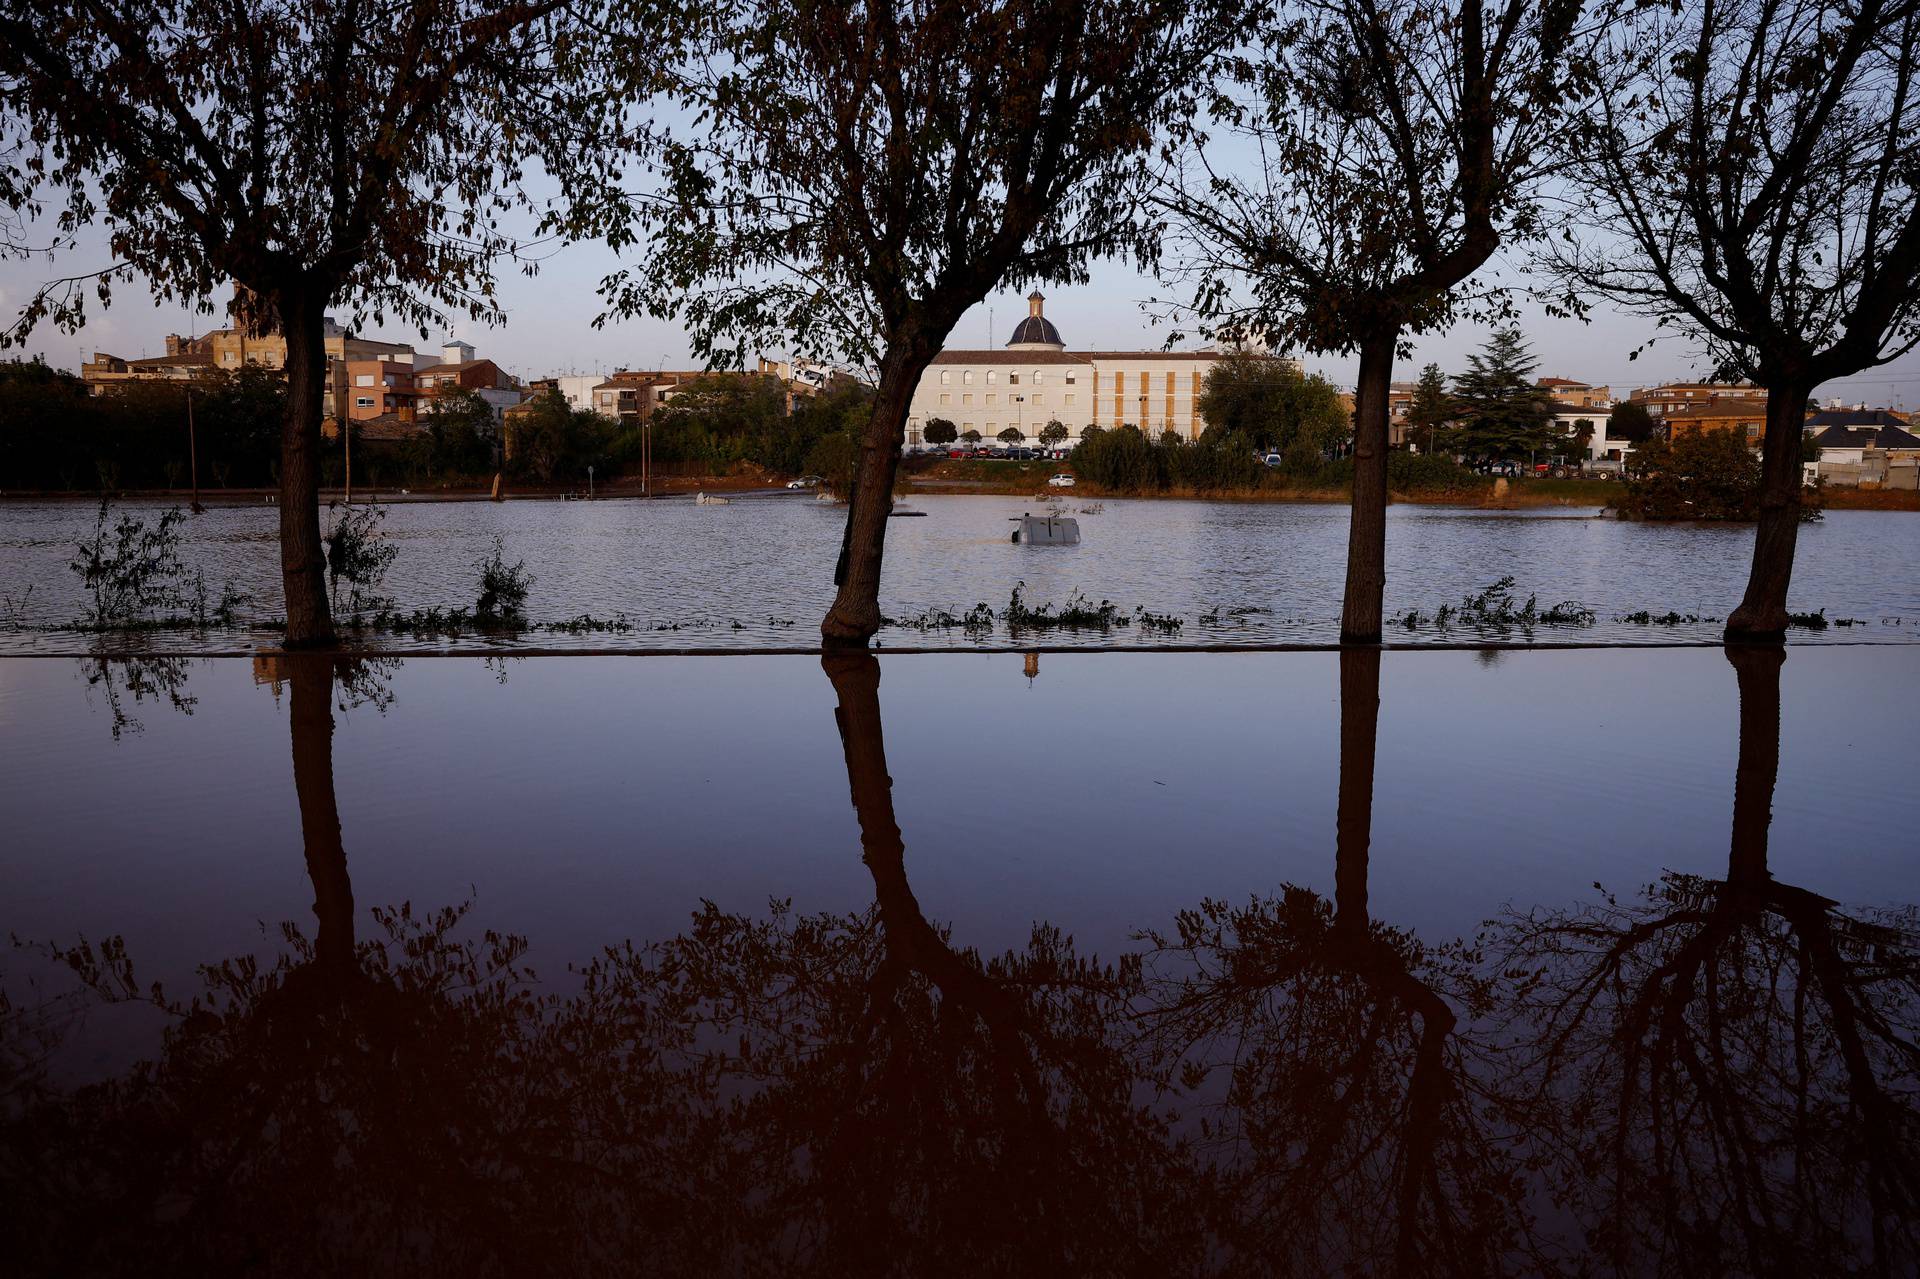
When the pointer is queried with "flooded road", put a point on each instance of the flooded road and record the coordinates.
(757, 573)
(1403, 963)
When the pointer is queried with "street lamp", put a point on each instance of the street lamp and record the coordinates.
(589, 481)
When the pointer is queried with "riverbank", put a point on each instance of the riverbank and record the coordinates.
(1022, 479)
(985, 478)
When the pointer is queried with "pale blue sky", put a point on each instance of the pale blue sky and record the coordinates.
(549, 329)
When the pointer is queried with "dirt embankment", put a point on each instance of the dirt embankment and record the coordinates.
(1851, 499)
(1024, 479)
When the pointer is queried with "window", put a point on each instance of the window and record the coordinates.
(946, 377)
(1069, 398)
(1013, 379)
(946, 397)
(992, 428)
(1038, 398)
(1038, 377)
(606, 397)
(993, 376)
(1069, 379)
(967, 377)
(363, 401)
(966, 399)
(992, 399)
(363, 379)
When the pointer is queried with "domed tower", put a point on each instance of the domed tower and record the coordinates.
(1036, 332)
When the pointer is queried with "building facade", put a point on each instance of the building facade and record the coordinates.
(1678, 397)
(1035, 380)
(1746, 417)
(630, 396)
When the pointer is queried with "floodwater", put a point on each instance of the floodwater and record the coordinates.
(1421, 963)
(757, 573)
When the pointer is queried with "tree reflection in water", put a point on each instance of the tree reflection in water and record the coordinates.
(162, 680)
(1723, 1075)
(889, 1102)
(1345, 1129)
(1717, 1080)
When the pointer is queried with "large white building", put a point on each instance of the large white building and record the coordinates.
(1035, 380)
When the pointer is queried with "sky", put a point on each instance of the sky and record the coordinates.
(549, 329)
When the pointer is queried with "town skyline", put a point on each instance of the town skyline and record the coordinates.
(549, 331)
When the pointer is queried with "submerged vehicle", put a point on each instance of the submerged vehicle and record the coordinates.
(1046, 530)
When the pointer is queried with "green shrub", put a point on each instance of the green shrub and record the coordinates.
(1219, 461)
(359, 557)
(1703, 475)
(1119, 459)
(503, 587)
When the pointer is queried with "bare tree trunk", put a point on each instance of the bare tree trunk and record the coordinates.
(1359, 731)
(1762, 615)
(1367, 529)
(311, 713)
(303, 564)
(855, 614)
(1757, 669)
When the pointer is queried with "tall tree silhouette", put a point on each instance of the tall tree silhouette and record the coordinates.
(1752, 185)
(1374, 155)
(859, 175)
(353, 152)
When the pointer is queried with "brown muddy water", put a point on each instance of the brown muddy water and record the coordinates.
(1421, 963)
(757, 573)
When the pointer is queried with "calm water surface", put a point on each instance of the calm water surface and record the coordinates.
(758, 573)
(1303, 963)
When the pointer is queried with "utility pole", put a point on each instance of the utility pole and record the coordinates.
(193, 455)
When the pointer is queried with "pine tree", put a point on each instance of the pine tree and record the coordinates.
(1502, 414)
(1431, 410)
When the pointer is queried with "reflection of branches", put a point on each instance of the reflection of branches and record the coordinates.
(1346, 1128)
(830, 1094)
(159, 679)
(1724, 1072)
(921, 1110)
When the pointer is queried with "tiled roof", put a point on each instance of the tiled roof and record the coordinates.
(1866, 437)
(1010, 357)
(183, 360)
(1158, 355)
(1856, 417)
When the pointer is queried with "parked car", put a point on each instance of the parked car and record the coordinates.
(806, 482)
(1060, 481)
